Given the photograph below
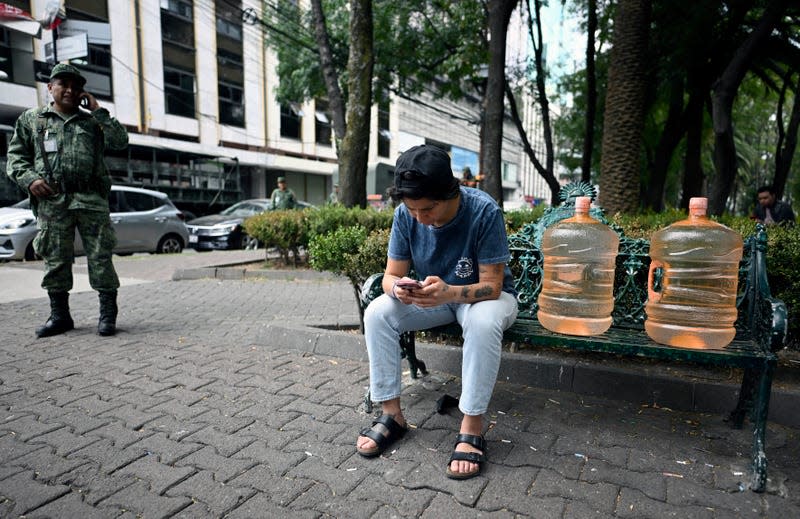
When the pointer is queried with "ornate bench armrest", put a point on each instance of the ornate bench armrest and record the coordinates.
(371, 289)
(780, 324)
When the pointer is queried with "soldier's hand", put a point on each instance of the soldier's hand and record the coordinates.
(91, 103)
(40, 189)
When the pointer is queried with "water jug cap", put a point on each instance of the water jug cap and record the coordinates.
(582, 204)
(698, 206)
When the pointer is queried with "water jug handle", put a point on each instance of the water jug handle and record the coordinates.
(654, 281)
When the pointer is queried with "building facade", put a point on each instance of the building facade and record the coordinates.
(194, 84)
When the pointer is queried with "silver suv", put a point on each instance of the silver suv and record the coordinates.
(144, 221)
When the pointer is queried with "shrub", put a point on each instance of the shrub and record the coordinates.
(783, 251)
(286, 230)
(338, 252)
(518, 218)
(332, 217)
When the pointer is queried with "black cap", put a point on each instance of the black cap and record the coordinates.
(425, 170)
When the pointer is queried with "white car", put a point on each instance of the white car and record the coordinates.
(144, 221)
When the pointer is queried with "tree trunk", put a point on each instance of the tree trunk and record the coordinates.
(546, 173)
(354, 153)
(722, 107)
(591, 92)
(492, 138)
(787, 139)
(625, 107)
(693, 175)
(329, 73)
(674, 128)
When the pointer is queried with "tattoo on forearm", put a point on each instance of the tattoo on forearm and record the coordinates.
(483, 291)
(465, 292)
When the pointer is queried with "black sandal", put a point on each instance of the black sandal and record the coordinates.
(384, 431)
(473, 457)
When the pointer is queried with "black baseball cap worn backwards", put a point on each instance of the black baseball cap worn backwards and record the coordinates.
(424, 171)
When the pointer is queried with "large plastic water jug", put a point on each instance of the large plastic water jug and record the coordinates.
(694, 273)
(577, 295)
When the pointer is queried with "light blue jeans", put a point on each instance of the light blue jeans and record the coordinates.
(482, 323)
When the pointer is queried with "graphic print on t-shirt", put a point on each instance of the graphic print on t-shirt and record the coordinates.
(464, 267)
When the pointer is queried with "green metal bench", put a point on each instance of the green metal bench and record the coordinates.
(760, 327)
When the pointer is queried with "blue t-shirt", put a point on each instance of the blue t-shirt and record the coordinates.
(477, 235)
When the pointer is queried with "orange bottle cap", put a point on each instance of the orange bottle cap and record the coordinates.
(698, 206)
(582, 204)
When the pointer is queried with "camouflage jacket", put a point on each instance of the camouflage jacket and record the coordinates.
(283, 199)
(75, 153)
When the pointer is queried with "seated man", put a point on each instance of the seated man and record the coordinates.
(455, 238)
(770, 210)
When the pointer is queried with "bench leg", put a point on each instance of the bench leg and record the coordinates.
(746, 394)
(408, 350)
(759, 417)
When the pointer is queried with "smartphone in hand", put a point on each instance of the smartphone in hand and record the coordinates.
(409, 284)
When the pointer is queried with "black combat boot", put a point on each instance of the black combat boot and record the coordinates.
(107, 325)
(60, 321)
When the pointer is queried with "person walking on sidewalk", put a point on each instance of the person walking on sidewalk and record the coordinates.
(455, 239)
(283, 197)
(56, 156)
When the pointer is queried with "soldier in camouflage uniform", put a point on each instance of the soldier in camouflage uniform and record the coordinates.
(56, 155)
(283, 197)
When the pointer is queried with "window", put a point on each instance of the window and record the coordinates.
(230, 63)
(229, 29)
(6, 64)
(231, 104)
(322, 123)
(178, 8)
(227, 58)
(177, 46)
(140, 201)
(509, 172)
(384, 136)
(290, 121)
(179, 91)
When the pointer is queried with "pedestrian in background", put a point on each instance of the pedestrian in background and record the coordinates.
(56, 156)
(769, 209)
(333, 198)
(455, 238)
(283, 197)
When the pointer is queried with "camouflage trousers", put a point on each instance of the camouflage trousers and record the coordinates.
(55, 243)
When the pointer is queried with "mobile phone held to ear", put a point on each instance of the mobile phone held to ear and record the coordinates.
(84, 101)
(408, 284)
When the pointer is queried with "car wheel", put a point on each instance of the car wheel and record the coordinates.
(30, 254)
(170, 244)
(248, 243)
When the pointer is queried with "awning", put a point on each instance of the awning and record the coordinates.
(18, 20)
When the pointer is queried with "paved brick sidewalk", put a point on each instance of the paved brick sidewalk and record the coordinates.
(217, 399)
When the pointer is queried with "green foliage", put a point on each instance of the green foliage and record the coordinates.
(332, 217)
(417, 44)
(287, 230)
(783, 252)
(333, 251)
(517, 218)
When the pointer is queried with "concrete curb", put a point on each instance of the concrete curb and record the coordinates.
(644, 384)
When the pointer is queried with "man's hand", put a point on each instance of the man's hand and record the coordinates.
(434, 292)
(41, 189)
(91, 101)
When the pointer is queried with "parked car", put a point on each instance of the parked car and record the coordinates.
(224, 230)
(144, 221)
